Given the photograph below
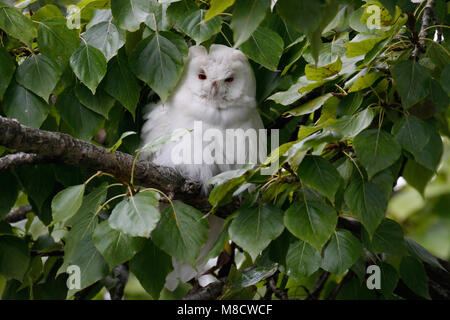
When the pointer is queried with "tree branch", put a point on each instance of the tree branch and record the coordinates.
(17, 160)
(62, 148)
(210, 292)
(18, 214)
(427, 19)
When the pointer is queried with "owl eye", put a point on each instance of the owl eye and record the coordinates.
(230, 79)
(202, 76)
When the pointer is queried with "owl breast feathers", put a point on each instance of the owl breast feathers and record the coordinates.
(216, 95)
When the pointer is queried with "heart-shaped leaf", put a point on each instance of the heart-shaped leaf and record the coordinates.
(158, 62)
(137, 215)
(376, 149)
(89, 65)
(255, 227)
(194, 26)
(39, 74)
(183, 244)
(341, 252)
(311, 221)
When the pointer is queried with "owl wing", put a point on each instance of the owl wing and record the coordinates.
(157, 124)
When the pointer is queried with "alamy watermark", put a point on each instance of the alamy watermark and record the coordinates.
(74, 280)
(232, 146)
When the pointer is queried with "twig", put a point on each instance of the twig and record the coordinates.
(339, 286)
(18, 214)
(318, 286)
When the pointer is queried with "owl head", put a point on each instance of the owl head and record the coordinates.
(220, 79)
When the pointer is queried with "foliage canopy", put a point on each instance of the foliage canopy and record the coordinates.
(359, 100)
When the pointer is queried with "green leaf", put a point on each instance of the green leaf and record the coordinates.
(319, 174)
(388, 238)
(14, 257)
(158, 62)
(39, 74)
(115, 246)
(47, 11)
(430, 155)
(296, 91)
(151, 267)
(38, 183)
(421, 253)
(319, 73)
(302, 259)
(355, 49)
(218, 245)
(136, 215)
(217, 7)
(100, 103)
(89, 65)
(247, 15)
(389, 278)
(67, 202)
(83, 121)
(156, 20)
(351, 126)
(366, 201)
(17, 25)
(25, 106)
(411, 133)
(79, 247)
(417, 175)
(120, 140)
(106, 37)
(341, 252)
(390, 6)
(414, 276)
(365, 81)
(311, 221)
(412, 81)
(223, 193)
(376, 149)
(252, 277)
(264, 47)
(7, 68)
(178, 9)
(195, 27)
(121, 83)
(310, 106)
(55, 40)
(183, 244)
(129, 14)
(255, 227)
(303, 15)
(349, 104)
(10, 191)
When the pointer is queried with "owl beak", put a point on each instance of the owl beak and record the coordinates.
(214, 87)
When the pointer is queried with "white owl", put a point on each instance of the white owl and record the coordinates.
(218, 89)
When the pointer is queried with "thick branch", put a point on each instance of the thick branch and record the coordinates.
(65, 149)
